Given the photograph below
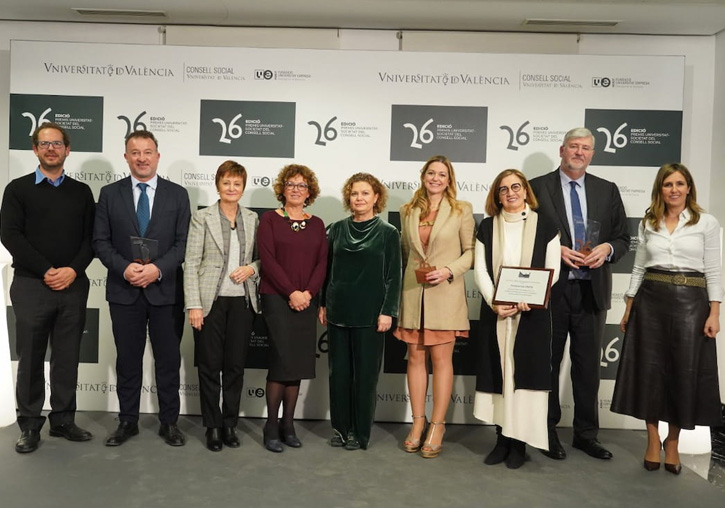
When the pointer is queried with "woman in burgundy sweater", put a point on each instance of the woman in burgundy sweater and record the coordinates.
(293, 252)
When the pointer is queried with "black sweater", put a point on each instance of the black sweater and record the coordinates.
(44, 226)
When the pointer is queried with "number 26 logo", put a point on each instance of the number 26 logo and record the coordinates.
(610, 354)
(425, 136)
(231, 131)
(34, 123)
(618, 140)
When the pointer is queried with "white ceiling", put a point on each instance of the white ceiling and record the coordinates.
(666, 17)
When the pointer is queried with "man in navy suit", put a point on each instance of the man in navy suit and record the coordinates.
(572, 198)
(144, 290)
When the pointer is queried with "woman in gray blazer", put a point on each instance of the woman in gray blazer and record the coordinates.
(220, 289)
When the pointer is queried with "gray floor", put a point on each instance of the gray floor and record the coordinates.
(147, 473)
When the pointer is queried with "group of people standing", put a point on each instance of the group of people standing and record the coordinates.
(356, 279)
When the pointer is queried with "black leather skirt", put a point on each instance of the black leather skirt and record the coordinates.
(668, 368)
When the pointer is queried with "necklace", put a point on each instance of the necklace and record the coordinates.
(295, 225)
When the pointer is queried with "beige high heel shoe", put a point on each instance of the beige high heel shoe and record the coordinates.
(428, 450)
(410, 445)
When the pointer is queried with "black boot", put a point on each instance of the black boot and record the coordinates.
(517, 454)
(500, 451)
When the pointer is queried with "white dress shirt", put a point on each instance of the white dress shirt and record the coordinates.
(693, 248)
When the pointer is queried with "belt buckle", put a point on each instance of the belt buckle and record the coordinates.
(679, 279)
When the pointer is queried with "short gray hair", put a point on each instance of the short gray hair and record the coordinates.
(578, 132)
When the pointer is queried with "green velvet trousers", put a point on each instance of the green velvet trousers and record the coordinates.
(355, 356)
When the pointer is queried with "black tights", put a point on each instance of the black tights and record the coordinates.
(285, 393)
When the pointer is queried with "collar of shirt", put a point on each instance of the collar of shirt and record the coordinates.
(565, 181)
(151, 183)
(39, 177)
(681, 220)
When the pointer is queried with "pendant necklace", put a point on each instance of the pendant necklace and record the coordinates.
(295, 225)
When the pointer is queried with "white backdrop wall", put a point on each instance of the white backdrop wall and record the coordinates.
(698, 93)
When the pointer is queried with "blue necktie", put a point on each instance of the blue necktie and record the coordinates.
(143, 213)
(580, 231)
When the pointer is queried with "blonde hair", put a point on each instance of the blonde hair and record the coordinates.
(420, 197)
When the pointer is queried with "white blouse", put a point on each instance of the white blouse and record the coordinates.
(694, 248)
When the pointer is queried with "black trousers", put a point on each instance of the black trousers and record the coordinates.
(575, 314)
(42, 314)
(355, 357)
(165, 326)
(221, 350)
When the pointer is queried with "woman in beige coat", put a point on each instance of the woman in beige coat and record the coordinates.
(220, 289)
(438, 240)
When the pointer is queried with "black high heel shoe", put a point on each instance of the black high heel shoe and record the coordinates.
(272, 441)
(289, 437)
(651, 465)
(671, 468)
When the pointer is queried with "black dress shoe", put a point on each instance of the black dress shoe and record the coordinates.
(229, 437)
(517, 454)
(499, 452)
(28, 441)
(172, 435)
(592, 448)
(71, 432)
(271, 440)
(556, 451)
(214, 439)
(289, 437)
(123, 433)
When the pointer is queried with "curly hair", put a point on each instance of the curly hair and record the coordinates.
(656, 210)
(420, 198)
(493, 201)
(378, 188)
(290, 171)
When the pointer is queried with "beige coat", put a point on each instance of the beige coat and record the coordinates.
(206, 260)
(451, 245)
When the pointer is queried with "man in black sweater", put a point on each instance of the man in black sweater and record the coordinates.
(46, 222)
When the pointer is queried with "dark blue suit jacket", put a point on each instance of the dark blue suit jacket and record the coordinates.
(604, 205)
(116, 222)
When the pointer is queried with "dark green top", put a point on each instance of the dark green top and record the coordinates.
(364, 272)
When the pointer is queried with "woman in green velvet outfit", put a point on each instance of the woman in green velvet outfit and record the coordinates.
(359, 301)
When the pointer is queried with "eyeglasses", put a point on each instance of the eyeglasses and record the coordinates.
(515, 187)
(298, 186)
(47, 144)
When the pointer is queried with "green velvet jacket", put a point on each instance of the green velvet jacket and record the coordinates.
(364, 272)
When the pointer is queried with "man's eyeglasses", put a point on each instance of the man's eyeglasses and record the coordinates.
(516, 187)
(298, 186)
(47, 144)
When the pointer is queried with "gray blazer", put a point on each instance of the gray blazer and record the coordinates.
(206, 257)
